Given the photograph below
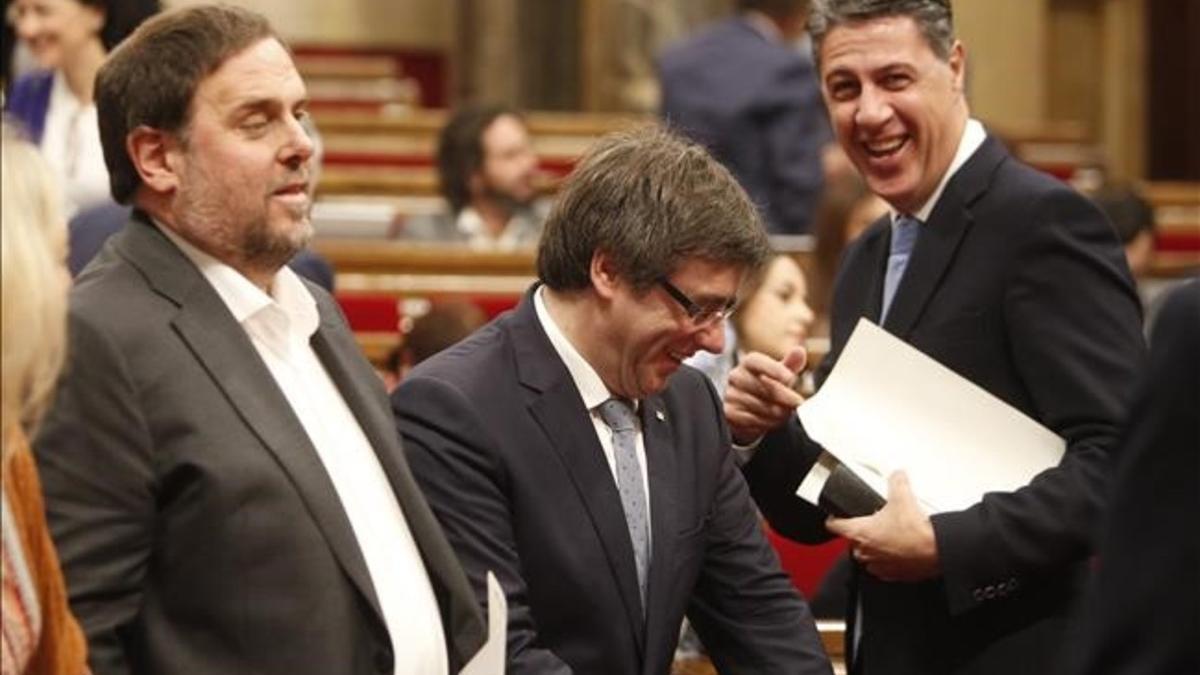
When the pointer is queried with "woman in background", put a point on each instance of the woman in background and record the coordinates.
(39, 633)
(773, 318)
(69, 40)
(847, 208)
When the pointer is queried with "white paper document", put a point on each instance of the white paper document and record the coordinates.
(490, 659)
(886, 406)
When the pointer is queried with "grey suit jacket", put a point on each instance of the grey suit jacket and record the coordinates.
(198, 529)
(500, 440)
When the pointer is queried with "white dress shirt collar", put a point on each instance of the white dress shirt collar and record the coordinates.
(973, 136)
(587, 380)
(246, 300)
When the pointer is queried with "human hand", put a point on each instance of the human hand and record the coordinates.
(897, 542)
(759, 396)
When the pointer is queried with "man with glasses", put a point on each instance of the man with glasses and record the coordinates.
(565, 449)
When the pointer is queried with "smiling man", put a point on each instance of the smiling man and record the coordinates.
(1000, 273)
(222, 477)
(565, 448)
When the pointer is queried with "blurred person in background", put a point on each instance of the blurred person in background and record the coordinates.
(846, 210)
(1133, 219)
(40, 635)
(443, 325)
(774, 318)
(69, 39)
(486, 169)
(746, 89)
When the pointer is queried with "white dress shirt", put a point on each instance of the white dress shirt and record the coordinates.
(594, 392)
(280, 326)
(973, 136)
(71, 146)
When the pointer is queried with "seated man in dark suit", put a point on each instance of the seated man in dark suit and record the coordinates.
(223, 480)
(744, 89)
(565, 448)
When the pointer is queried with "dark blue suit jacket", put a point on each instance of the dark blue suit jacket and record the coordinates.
(756, 105)
(1143, 612)
(28, 100)
(1018, 284)
(499, 439)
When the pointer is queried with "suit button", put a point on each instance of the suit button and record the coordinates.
(977, 594)
(384, 661)
(989, 592)
(1012, 584)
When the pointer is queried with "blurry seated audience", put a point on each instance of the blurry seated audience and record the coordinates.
(443, 325)
(69, 40)
(40, 635)
(1133, 219)
(846, 210)
(90, 228)
(774, 317)
(1142, 614)
(486, 169)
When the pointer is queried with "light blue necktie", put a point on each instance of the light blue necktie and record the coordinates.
(904, 237)
(619, 416)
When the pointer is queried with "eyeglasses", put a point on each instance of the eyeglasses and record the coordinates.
(700, 315)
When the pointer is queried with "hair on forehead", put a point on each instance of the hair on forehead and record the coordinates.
(934, 20)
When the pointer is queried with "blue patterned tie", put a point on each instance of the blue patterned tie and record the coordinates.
(619, 416)
(904, 237)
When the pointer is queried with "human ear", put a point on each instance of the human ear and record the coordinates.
(156, 156)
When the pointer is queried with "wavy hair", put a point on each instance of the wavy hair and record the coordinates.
(34, 281)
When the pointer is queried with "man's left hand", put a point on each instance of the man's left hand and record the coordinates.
(897, 542)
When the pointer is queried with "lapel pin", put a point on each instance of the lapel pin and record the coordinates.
(659, 414)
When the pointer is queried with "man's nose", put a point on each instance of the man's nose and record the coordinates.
(711, 338)
(874, 108)
(300, 143)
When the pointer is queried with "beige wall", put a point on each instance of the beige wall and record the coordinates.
(407, 23)
(1006, 56)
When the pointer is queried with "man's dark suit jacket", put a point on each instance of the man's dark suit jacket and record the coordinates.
(498, 436)
(197, 527)
(1018, 284)
(1143, 612)
(756, 105)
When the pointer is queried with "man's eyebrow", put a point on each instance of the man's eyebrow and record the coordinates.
(255, 104)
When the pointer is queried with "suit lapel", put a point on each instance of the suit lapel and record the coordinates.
(342, 360)
(934, 251)
(223, 348)
(557, 408)
(938, 243)
(663, 477)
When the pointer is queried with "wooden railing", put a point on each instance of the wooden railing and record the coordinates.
(833, 638)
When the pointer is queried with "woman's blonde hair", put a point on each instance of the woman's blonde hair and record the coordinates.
(32, 275)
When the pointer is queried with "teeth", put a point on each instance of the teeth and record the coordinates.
(885, 147)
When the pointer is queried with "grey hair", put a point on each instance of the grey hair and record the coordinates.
(934, 18)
